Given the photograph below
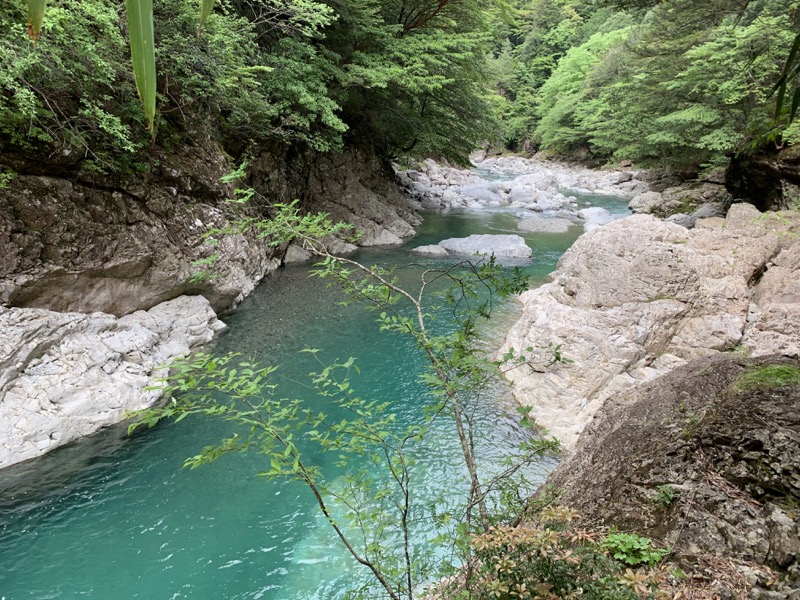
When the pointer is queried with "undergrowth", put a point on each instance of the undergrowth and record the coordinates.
(767, 377)
(551, 558)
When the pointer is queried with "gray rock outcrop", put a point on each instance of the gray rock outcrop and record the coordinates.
(356, 187)
(705, 460)
(686, 202)
(66, 375)
(632, 300)
(70, 246)
(86, 244)
(501, 246)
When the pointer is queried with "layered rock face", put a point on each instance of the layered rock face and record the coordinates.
(65, 374)
(634, 299)
(78, 245)
(94, 274)
(705, 460)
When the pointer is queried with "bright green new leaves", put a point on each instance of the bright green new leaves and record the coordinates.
(143, 57)
(689, 85)
(564, 93)
(35, 18)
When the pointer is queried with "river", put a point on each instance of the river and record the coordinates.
(116, 518)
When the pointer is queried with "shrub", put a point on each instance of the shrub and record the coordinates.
(552, 558)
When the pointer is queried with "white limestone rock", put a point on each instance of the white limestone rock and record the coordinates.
(430, 250)
(66, 375)
(501, 246)
(637, 297)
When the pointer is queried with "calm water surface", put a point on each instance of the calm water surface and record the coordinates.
(117, 518)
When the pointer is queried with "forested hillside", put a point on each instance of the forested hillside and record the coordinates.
(679, 82)
(407, 76)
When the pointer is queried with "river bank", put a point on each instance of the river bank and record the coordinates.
(631, 301)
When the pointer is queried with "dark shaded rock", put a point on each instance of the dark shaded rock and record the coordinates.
(761, 179)
(88, 243)
(698, 461)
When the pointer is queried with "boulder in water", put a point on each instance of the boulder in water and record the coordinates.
(502, 246)
(430, 250)
(544, 225)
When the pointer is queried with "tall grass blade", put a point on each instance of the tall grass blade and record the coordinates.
(205, 10)
(140, 33)
(35, 18)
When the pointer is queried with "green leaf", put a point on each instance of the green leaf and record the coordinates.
(35, 18)
(140, 32)
(205, 10)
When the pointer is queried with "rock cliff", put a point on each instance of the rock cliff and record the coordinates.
(95, 273)
(91, 243)
(705, 460)
(634, 299)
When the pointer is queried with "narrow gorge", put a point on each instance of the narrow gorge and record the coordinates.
(634, 298)
(441, 299)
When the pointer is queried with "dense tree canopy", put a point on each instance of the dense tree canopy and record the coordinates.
(672, 81)
(658, 81)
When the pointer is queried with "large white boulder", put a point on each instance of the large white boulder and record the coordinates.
(501, 246)
(66, 375)
(637, 297)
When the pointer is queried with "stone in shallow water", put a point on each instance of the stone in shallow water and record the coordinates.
(505, 246)
(430, 250)
(544, 225)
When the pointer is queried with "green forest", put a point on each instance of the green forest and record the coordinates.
(675, 82)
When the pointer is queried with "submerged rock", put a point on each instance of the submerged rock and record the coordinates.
(544, 225)
(634, 299)
(66, 375)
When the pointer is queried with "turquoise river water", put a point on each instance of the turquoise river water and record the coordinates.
(116, 518)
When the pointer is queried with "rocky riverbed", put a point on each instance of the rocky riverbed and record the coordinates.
(102, 280)
(545, 194)
(529, 186)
